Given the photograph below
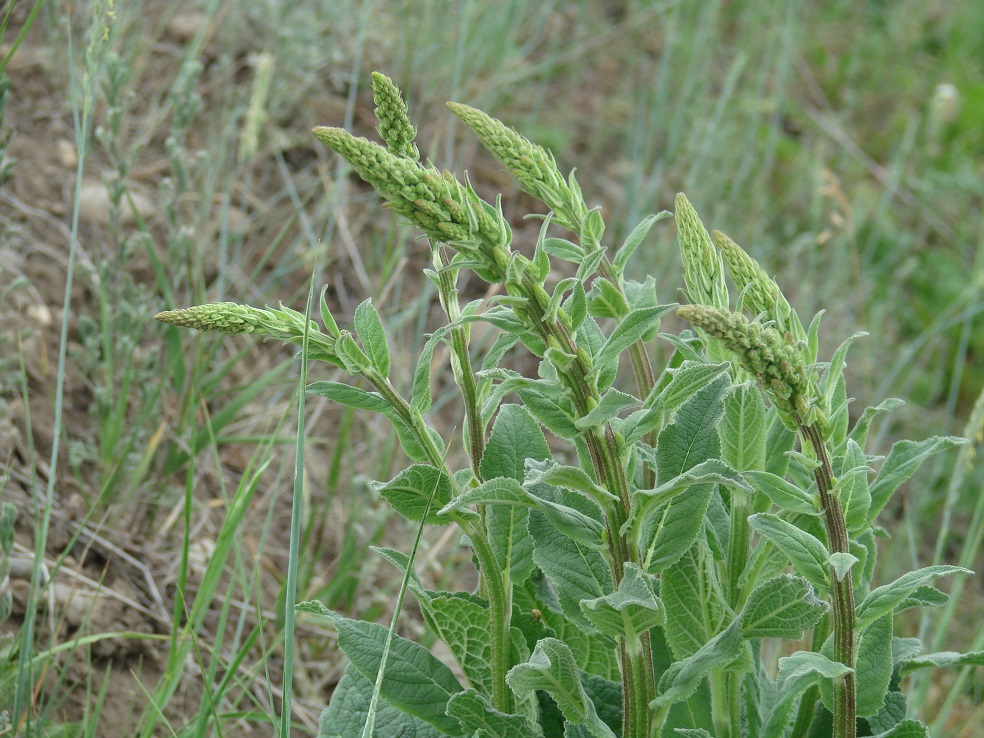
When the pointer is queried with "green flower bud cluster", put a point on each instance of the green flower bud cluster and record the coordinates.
(393, 118)
(759, 292)
(703, 270)
(531, 165)
(284, 324)
(436, 202)
(765, 354)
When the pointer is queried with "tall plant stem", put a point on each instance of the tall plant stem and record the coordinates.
(464, 373)
(842, 591)
(492, 575)
(638, 681)
(642, 368)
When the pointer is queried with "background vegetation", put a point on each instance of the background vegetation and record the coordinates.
(159, 155)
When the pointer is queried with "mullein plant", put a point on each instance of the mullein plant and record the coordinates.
(635, 584)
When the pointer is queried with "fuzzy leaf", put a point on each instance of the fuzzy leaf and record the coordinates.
(515, 437)
(346, 714)
(784, 494)
(682, 678)
(873, 665)
(577, 571)
(835, 371)
(612, 403)
(891, 714)
(571, 477)
(605, 300)
(496, 491)
(886, 598)
(859, 433)
(842, 563)
(475, 714)
(414, 681)
(412, 489)
(686, 381)
(906, 729)
(808, 554)
(782, 607)
(552, 410)
(940, 659)
(712, 471)
(628, 612)
(369, 328)
(903, 460)
(696, 609)
(421, 397)
(853, 492)
(591, 338)
(743, 428)
(345, 394)
(635, 239)
(692, 437)
(563, 249)
(551, 668)
(632, 327)
(797, 673)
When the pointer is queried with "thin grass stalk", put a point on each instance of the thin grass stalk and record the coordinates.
(296, 513)
(82, 127)
(370, 726)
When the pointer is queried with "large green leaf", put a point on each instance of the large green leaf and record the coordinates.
(781, 607)
(692, 437)
(852, 487)
(515, 437)
(873, 665)
(612, 403)
(668, 531)
(696, 608)
(684, 382)
(632, 327)
(346, 714)
(797, 673)
(940, 659)
(577, 571)
(784, 494)
(345, 394)
(415, 681)
(681, 680)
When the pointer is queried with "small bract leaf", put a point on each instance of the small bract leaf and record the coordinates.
(842, 562)
(627, 613)
(369, 328)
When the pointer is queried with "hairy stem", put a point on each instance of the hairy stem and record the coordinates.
(492, 575)
(464, 373)
(842, 592)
